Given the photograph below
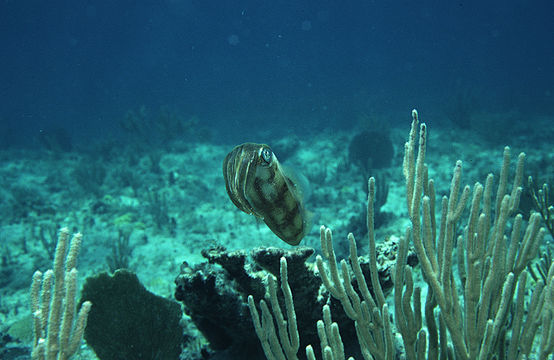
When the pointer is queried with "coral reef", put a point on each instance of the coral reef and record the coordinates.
(129, 322)
(215, 293)
(371, 150)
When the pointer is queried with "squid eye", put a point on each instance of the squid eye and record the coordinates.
(266, 155)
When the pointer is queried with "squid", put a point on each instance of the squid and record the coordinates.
(258, 185)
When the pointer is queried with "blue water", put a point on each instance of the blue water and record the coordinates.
(243, 67)
(116, 116)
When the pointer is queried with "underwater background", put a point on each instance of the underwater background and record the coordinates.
(116, 117)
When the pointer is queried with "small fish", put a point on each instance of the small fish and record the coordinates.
(258, 185)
